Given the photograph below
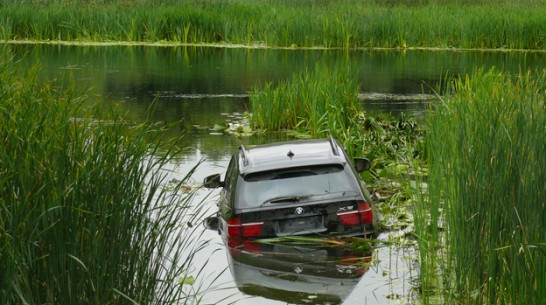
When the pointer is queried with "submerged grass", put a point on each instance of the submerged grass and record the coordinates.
(486, 148)
(492, 24)
(84, 218)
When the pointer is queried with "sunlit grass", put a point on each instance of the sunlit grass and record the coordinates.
(341, 24)
(486, 192)
(84, 216)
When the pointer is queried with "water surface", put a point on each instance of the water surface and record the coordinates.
(195, 88)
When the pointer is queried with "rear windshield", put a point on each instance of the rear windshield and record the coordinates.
(293, 185)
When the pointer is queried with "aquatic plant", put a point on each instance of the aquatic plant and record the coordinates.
(481, 224)
(84, 216)
(495, 24)
(318, 101)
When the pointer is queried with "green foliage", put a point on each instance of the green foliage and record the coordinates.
(340, 24)
(318, 101)
(486, 187)
(83, 215)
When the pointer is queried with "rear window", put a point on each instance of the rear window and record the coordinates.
(292, 185)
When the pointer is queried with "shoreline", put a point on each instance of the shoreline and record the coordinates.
(251, 47)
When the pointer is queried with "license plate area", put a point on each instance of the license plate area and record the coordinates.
(300, 226)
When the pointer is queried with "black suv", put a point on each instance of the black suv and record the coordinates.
(292, 188)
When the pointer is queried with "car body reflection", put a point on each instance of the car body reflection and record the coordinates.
(296, 275)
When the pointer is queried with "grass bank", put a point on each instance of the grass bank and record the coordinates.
(481, 223)
(84, 218)
(487, 24)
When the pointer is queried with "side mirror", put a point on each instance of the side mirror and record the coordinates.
(362, 164)
(211, 223)
(213, 181)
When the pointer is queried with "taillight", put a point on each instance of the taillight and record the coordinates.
(365, 211)
(363, 215)
(236, 229)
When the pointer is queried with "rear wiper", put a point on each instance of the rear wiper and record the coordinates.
(285, 199)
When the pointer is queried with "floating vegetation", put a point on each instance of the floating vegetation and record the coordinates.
(238, 125)
(355, 244)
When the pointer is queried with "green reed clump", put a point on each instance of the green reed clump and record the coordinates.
(486, 188)
(84, 218)
(322, 102)
(339, 24)
(318, 101)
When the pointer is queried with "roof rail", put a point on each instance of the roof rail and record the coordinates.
(334, 146)
(244, 153)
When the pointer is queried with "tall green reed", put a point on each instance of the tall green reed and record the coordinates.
(84, 216)
(339, 24)
(486, 188)
(319, 101)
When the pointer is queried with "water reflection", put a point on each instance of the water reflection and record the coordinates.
(297, 275)
(141, 72)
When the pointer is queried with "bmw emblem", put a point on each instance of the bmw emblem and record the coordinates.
(299, 210)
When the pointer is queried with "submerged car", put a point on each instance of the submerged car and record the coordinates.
(292, 188)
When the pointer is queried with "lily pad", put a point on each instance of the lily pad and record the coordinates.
(220, 127)
(186, 280)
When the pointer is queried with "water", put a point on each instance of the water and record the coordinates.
(196, 88)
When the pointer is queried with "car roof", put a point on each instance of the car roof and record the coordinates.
(290, 154)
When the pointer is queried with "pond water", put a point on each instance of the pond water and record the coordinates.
(197, 87)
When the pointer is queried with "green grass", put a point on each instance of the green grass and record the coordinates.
(496, 24)
(486, 192)
(318, 100)
(84, 216)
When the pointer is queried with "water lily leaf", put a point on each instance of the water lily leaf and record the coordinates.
(220, 127)
(186, 280)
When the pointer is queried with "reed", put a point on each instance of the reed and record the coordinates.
(486, 189)
(496, 24)
(318, 101)
(84, 216)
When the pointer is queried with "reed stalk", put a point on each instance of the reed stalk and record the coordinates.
(320, 101)
(486, 189)
(487, 24)
(84, 216)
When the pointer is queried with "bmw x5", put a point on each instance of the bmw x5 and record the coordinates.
(303, 187)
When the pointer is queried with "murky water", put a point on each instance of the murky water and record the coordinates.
(195, 88)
